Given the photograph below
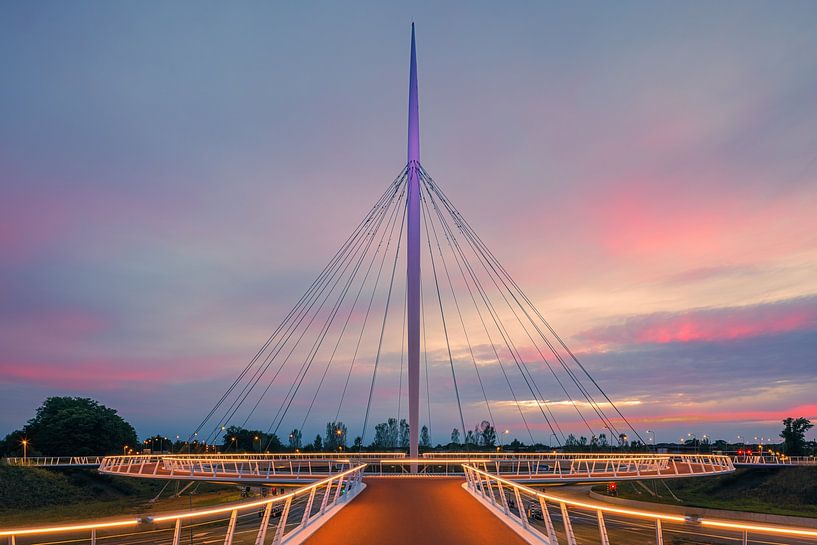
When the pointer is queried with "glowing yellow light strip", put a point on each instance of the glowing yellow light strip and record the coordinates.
(654, 515)
(175, 516)
(72, 528)
(760, 529)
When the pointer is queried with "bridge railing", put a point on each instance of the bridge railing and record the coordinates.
(54, 461)
(544, 468)
(549, 468)
(773, 460)
(288, 516)
(215, 467)
(254, 467)
(550, 518)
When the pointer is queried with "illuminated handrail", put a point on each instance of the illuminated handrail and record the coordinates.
(542, 469)
(54, 461)
(520, 505)
(773, 460)
(338, 488)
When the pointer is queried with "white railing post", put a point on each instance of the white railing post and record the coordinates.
(282, 522)
(551, 531)
(571, 537)
(93, 536)
(520, 507)
(489, 489)
(262, 530)
(659, 533)
(338, 490)
(504, 498)
(602, 528)
(745, 536)
(325, 498)
(308, 508)
(228, 539)
(177, 532)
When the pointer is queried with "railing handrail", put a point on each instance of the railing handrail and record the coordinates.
(657, 516)
(239, 506)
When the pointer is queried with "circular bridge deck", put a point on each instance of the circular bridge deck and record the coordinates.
(540, 468)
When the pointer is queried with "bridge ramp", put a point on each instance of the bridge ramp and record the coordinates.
(412, 511)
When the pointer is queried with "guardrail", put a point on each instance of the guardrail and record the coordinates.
(587, 468)
(294, 514)
(55, 461)
(253, 468)
(765, 460)
(529, 512)
(545, 468)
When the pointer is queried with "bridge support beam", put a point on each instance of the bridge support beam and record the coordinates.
(413, 259)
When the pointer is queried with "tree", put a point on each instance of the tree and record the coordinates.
(157, 443)
(358, 444)
(238, 439)
(486, 434)
(12, 445)
(425, 440)
(602, 440)
(335, 435)
(455, 436)
(295, 439)
(470, 438)
(318, 443)
(76, 426)
(403, 434)
(381, 436)
(794, 435)
(394, 432)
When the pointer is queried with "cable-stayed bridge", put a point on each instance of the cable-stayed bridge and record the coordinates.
(415, 320)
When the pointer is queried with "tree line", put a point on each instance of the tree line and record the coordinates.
(75, 426)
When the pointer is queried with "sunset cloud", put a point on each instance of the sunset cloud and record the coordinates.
(646, 174)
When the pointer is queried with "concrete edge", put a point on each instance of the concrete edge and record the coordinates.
(745, 516)
(530, 536)
(303, 533)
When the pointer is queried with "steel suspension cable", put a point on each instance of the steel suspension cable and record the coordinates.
(369, 308)
(345, 325)
(341, 265)
(490, 258)
(524, 368)
(283, 409)
(500, 328)
(442, 317)
(383, 325)
(315, 282)
(371, 262)
(459, 314)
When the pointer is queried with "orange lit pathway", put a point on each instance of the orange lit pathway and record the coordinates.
(412, 511)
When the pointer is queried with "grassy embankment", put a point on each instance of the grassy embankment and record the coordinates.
(784, 491)
(39, 496)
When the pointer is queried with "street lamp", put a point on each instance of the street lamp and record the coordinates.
(25, 451)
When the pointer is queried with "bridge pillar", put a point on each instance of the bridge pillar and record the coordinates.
(413, 259)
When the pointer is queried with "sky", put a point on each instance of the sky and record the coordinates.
(174, 175)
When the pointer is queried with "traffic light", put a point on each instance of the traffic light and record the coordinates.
(612, 489)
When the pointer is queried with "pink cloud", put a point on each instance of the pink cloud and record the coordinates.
(720, 324)
(753, 416)
(100, 375)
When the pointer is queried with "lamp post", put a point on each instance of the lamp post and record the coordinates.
(25, 451)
